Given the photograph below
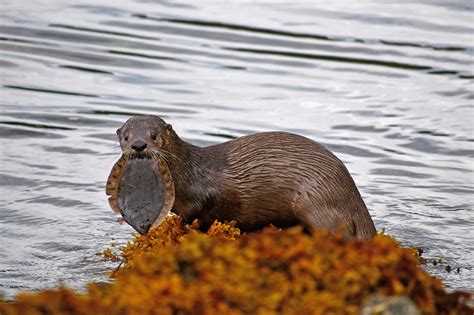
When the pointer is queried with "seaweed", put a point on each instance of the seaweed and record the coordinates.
(175, 269)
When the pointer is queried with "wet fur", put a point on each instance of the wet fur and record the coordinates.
(274, 178)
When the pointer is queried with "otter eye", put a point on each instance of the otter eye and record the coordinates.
(126, 138)
(153, 136)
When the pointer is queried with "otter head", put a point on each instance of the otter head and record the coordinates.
(140, 186)
(144, 136)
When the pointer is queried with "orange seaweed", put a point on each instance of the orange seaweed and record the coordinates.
(175, 269)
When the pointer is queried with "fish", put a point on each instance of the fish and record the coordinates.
(142, 191)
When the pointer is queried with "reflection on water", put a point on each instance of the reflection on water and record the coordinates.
(388, 87)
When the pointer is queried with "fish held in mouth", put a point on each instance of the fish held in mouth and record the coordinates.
(142, 191)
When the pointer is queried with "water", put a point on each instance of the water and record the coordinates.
(388, 87)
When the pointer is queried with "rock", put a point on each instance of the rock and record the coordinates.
(396, 305)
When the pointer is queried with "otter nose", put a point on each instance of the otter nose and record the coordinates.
(139, 145)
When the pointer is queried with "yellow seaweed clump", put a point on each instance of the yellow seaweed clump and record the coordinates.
(176, 269)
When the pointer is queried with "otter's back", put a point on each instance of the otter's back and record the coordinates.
(268, 173)
(283, 160)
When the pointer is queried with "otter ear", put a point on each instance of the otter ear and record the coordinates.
(168, 127)
(118, 131)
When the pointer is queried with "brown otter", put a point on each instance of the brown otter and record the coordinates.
(274, 178)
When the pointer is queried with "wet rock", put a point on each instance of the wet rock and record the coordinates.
(396, 305)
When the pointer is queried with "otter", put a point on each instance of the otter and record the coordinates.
(276, 178)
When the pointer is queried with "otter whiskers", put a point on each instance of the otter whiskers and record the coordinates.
(150, 154)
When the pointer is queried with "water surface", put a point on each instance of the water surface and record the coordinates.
(387, 87)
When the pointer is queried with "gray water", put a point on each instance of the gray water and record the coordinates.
(388, 87)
